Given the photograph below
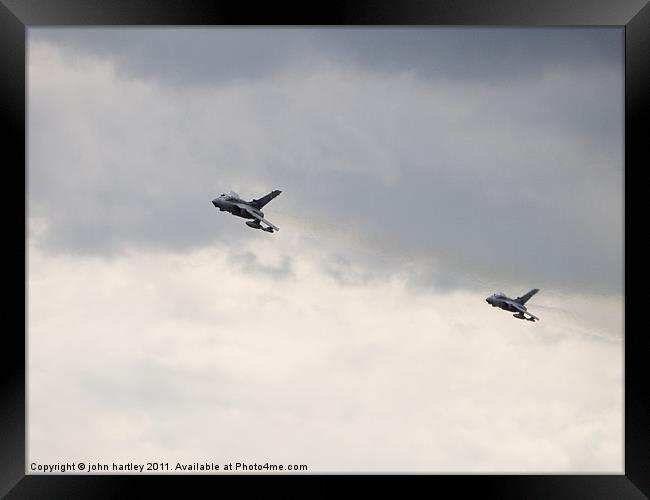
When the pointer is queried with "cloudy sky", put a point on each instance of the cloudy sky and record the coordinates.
(422, 170)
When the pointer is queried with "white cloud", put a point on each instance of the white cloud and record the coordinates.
(183, 356)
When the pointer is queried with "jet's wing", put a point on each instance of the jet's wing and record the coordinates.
(524, 298)
(259, 203)
(253, 214)
(521, 308)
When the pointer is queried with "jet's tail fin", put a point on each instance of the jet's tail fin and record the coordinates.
(524, 298)
(265, 199)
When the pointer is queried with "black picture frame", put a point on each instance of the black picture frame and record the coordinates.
(17, 15)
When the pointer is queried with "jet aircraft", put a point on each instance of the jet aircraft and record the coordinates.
(513, 305)
(233, 203)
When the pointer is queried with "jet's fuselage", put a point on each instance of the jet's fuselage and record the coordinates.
(227, 205)
(502, 303)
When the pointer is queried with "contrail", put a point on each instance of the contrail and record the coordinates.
(405, 256)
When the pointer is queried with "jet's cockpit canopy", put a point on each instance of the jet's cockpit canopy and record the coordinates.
(231, 196)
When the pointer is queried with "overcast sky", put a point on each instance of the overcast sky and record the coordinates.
(422, 169)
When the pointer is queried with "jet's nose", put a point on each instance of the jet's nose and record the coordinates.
(214, 202)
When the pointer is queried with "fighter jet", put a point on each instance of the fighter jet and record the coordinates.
(513, 305)
(233, 203)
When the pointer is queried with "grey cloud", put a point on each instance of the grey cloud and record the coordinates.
(492, 55)
(520, 182)
(181, 56)
(446, 214)
(209, 56)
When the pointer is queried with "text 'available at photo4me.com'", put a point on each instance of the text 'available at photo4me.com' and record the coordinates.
(160, 467)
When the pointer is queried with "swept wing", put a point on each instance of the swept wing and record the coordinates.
(259, 203)
(524, 298)
(521, 308)
(258, 217)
